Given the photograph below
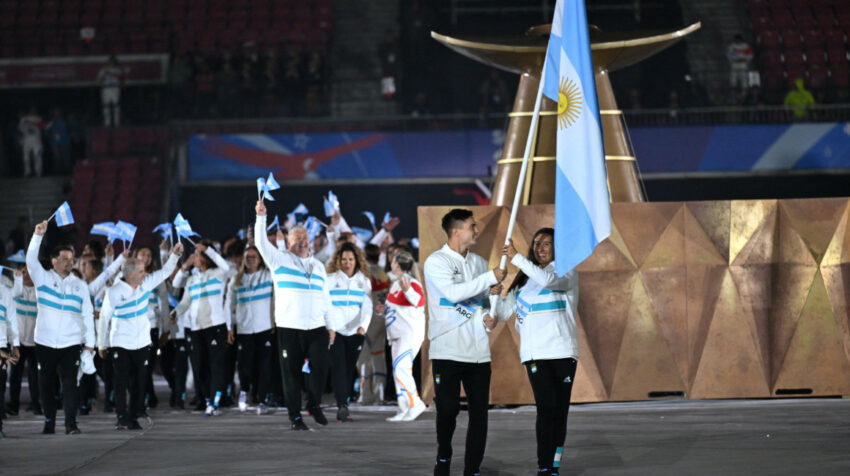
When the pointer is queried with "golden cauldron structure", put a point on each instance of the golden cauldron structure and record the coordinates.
(525, 55)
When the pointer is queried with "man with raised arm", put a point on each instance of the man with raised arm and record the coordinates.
(65, 326)
(301, 304)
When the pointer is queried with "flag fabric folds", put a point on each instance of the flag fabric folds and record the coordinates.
(63, 215)
(126, 231)
(387, 218)
(371, 217)
(18, 257)
(331, 203)
(183, 228)
(106, 229)
(275, 223)
(362, 233)
(164, 229)
(582, 210)
(264, 186)
(313, 226)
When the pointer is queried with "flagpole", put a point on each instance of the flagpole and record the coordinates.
(529, 142)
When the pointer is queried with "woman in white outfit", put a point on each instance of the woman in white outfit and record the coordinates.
(405, 321)
(351, 310)
(545, 307)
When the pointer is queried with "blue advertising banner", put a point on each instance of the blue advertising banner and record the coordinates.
(336, 156)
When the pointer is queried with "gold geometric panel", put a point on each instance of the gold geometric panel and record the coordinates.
(669, 249)
(792, 291)
(837, 282)
(645, 363)
(815, 221)
(755, 284)
(730, 365)
(602, 308)
(815, 358)
(713, 219)
(591, 388)
(645, 225)
(668, 300)
(793, 249)
(752, 239)
(703, 288)
(838, 250)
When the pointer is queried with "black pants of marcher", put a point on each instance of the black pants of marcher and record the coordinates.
(200, 363)
(130, 366)
(16, 375)
(448, 376)
(150, 392)
(180, 368)
(88, 389)
(67, 362)
(166, 363)
(3, 374)
(215, 340)
(295, 345)
(552, 384)
(254, 358)
(344, 353)
(106, 370)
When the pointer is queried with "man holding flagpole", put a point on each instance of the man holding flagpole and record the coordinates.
(65, 324)
(457, 281)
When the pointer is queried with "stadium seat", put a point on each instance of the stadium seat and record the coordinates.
(818, 76)
(825, 19)
(840, 77)
(791, 38)
(793, 58)
(816, 56)
(834, 38)
(837, 56)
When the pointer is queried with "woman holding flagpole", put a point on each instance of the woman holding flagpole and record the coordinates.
(545, 307)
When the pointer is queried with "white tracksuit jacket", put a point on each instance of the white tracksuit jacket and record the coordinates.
(8, 319)
(457, 295)
(351, 302)
(27, 311)
(300, 285)
(405, 316)
(64, 305)
(250, 302)
(204, 295)
(546, 312)
(124, 316)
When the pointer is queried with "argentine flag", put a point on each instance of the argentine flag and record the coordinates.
(63, 215)
(582, 211)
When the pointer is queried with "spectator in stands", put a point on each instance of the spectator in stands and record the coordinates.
(799, 100)
(227, 89)
(388, 54)
(740, 55)
(110, 78)
(494, 94)
(179, 81)
(60, 142)
(29, 128)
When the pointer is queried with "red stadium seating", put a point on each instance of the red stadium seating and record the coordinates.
(791, 38)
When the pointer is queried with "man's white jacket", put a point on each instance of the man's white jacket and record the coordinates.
(301, 293)
(123, 318)
(65, 316)
(457, 287)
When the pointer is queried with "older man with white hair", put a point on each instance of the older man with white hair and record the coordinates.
(125, 331)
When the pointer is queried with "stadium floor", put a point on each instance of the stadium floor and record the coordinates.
(794, 436)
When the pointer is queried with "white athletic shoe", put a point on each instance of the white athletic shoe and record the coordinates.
(243, 401)
(262, 409)
(415, 411)
(211, 411)
(398, 416)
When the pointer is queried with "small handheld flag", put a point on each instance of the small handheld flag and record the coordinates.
(172, 301)
(275, 223)
(264, 186)
(106, 229)
(183, 228)
(313, 226)
(371, 217)
(18, 257)
(240, 233)
(387, 218)
(126, 231)
(363, 234)
(63, 215)
(414, 242)
(331, 204)
(164, 229)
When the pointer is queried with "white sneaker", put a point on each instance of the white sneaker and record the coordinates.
(398, 416)
(262, 409)
(211, 411)
(415, 411)
(243, 401)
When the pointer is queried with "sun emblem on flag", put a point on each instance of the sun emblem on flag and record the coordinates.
(569, 103)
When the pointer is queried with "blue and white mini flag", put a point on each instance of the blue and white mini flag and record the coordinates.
(18, 257)
(371, 217)
(363, 234)
(331, 204)
(106, 229)
(313, 226)
(127, 230)
(63, 215)
(387, 218)
(263, 190)
(275, 223)
(300, 209)
(164, 229)
(172, 301)
(271, 183)
(414, 242)
(296, 215)
(582, 211)
(182, 227)
(240, 233)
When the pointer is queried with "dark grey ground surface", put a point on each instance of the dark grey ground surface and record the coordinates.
(804, 436)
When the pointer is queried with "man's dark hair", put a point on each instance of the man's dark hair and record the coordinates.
(372, 253)
(55, 252)
(455, 219)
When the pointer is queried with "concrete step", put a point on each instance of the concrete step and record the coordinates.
(34, 198)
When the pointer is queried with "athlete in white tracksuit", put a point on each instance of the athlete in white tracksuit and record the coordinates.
(110, 78)
(405, 322)
(8, 336)
(250, 303)
(30, 127)
(26, 310)
(125, 331)
(351, 311)
(545, 307)
(458, 282)
(304, 330)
